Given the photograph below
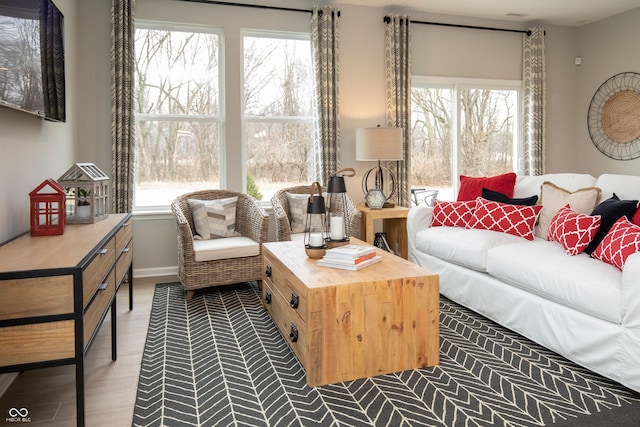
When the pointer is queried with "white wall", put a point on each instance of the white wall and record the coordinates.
(33, 150)
(607, 48)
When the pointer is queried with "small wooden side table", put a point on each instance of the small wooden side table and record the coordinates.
(394, 223)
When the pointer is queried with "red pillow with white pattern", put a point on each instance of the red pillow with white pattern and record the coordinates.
(511, 219)
(622, 240)
(452, 214)
(574, 231)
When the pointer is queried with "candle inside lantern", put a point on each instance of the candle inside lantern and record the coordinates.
(336, 230)
(315, 240)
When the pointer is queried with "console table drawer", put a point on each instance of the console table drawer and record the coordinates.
(123, 236)
(97, 270)
(287, 285)
(286, 318)
(37, 342)
(99, 306)
(124, 261)
(36, 296)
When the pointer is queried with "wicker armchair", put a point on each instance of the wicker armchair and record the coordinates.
(283, 221)
(251, 221)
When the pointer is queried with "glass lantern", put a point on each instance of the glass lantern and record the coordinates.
(315, 231)
(338, 222)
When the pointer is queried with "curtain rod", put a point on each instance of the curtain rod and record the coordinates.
(387, 19)
(257, 6)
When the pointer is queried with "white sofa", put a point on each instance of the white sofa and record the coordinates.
(580, 307)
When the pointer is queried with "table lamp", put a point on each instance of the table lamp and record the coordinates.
(379, 144)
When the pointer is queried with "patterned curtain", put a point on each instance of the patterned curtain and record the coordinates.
(123, 124)
(52, 65)
(534, 94)
(397, 60)
(325, 56)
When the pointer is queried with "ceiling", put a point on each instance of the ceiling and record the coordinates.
(552, 12)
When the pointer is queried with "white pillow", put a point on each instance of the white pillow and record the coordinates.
(215, 218)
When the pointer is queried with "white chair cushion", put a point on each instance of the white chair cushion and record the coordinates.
(297, 237)
(225, 248)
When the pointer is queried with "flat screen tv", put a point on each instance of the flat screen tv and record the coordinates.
(32, 58)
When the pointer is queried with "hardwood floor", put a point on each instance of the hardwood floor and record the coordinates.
(110, 393)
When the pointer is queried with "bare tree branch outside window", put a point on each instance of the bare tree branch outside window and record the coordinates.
(484, 146)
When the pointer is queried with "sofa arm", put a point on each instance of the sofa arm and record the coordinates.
(630, 328)
(419, 218)
(630, 292)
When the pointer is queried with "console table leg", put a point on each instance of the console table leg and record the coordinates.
(80, 421)
(131, 286)
(114, 335)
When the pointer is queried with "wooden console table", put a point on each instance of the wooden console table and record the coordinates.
(55, 292)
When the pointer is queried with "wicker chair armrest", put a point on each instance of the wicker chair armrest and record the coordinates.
(186, 253)
(252, 220)
(282, 223)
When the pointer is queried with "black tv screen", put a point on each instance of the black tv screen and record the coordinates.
(32, 58)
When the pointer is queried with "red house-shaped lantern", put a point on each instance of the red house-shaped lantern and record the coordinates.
(48, 214)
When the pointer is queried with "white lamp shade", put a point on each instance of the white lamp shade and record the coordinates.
(379, 144)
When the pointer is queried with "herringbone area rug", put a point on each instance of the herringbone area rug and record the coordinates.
(219, 360)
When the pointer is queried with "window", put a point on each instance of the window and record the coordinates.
(277, 111)
(178, 111)
(467, 127)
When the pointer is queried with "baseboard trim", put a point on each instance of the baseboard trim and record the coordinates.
(156, 271)
(6, 380)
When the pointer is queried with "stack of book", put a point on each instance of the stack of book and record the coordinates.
(350, 257)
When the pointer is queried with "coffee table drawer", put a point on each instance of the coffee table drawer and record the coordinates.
(287, 285)
(291, 326)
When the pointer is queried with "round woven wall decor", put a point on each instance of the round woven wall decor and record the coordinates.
(614, 117)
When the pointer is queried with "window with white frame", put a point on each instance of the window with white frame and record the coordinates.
(462, 127)
(277, 111)
(179, 117)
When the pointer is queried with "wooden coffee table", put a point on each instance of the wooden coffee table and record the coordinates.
(344, 325)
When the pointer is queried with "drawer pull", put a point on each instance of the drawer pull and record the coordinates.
(103, 286)
(104, 251)
(295, 300)
(267, 272)
(293, 335)
(126, 224)
(125, 250)
(267, 297)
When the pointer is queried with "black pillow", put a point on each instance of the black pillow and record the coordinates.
(610, 211)
(496, 196)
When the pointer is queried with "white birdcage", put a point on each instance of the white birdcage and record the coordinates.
(87, 193)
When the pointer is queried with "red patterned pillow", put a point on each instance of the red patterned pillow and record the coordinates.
(573, 230)
(471, 187)
(512, 219)
(622, 240)
(452, 214)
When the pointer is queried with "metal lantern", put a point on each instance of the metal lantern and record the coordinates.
(315, 227)
(47, 209)
(338, 222)
(87, 193)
